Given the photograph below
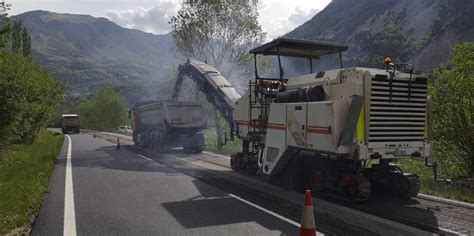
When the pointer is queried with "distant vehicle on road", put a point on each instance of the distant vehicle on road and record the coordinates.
(125, 129)
(162, 125)
(70, 123)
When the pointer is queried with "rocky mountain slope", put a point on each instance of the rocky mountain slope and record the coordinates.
(421, 32)
(87, 52)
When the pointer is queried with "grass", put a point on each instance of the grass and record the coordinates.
(431, 187)
(25, 171)
(231, 147)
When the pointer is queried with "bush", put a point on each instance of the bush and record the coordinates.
(453, 111)
(27, 97)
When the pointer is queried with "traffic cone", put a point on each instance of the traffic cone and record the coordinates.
(118, 143)
(307, 220)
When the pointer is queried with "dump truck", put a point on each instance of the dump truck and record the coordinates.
(161, 125)
(70, 123)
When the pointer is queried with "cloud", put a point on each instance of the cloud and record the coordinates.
(277, 26)
(152, 20)
(299, 16)
(275, 18)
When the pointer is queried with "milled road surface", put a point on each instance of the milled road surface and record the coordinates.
(381, 215)
(118, 192)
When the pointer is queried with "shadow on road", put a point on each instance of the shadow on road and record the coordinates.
(214, 208)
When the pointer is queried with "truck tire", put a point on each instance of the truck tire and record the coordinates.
(188, 150)
(197, 150)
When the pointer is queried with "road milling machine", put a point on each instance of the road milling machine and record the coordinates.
(337, 132)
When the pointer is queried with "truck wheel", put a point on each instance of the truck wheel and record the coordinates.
(161, 149)
(198, 150)
(188, 150)
(236, 162)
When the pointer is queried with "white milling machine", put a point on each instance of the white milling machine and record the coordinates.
(337, 132)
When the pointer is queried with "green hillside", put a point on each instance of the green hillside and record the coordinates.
(87, 52)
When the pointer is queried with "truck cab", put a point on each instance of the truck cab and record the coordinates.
(70, 123)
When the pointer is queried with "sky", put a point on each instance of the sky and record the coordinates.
(276, 17)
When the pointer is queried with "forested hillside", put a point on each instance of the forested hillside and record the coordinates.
(87, 52)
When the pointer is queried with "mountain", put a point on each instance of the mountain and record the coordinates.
(421, 32)
(86, 53)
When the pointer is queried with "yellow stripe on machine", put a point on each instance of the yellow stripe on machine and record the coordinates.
(361, 126)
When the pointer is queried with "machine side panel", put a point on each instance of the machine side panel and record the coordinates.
(340, 110)
(296, 124)
(320, 126)
(241, 115)
(276, 137)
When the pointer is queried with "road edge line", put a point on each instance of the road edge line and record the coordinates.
(446, 201)
(69, 228)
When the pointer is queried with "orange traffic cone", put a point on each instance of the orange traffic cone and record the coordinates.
(307, 220)
(118, 143)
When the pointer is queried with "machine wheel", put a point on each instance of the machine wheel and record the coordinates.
(391, 180)
(406, 185)
(236, 162)
(294, 175)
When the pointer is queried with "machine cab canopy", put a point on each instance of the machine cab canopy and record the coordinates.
(299, 48)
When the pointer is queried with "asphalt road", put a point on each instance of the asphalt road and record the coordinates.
(118, 192)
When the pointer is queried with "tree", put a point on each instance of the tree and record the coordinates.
(107, 110)
(28, 95)
(5, 30)
(26, 43)
(16, 37)
(219, 32)
(4, 7)
(453, 111)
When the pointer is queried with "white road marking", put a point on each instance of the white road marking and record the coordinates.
(448, 231)
(69, 211)
(271, 212)
(215, 154)
(446, 201)
(144, 157)
(265, 210)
